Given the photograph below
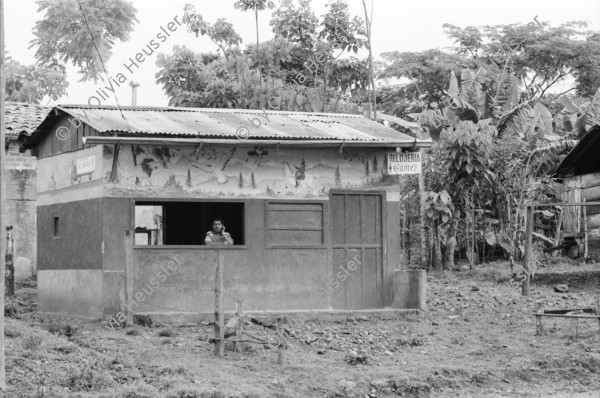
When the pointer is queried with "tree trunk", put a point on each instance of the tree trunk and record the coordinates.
(558, 232)
(437, 249)
(469, 229)
(369, 20)
(10, 267)
(134, 153)
(451, 241)
(114, 172)
(257, 47)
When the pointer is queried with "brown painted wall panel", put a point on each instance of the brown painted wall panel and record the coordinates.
(338, 210)
(79, 242)
(334, 284)
(298, 219)
(371, 287)
(290, 237)
(116, 221)
(278, 280)
(353, 212)
(266, 278)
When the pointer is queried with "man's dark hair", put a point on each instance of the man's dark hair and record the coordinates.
(217, 219)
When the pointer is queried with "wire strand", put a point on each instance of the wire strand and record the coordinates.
(102, 63)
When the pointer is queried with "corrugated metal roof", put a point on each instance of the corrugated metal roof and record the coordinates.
(22, 118)
(223, 123)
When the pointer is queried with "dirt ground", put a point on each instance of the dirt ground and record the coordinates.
(477, 340)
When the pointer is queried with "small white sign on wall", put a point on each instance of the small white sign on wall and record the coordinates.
(403, 163)
(86, 165)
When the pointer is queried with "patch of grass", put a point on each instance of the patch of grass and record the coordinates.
(195, 394)
(411, 341)
(10, 331)
(354, 358)
(32, 342)
(498, 272)
(65, 349)
(61, 329)
(167, 332)
(87, 378)
(132, 332)
(11, 308)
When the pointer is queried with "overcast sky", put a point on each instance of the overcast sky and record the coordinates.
(397, 25)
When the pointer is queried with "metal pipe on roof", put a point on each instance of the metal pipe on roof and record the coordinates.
(134, 86)
(97, 140)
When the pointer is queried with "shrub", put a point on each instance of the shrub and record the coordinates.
(11, 332)
(167, 332)
(32, 342)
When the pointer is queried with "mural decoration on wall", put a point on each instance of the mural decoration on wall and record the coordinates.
(70, 170)
(216, 171)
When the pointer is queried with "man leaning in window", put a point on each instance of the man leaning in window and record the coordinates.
(218, 236)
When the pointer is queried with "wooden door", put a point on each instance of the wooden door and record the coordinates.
(358, 248)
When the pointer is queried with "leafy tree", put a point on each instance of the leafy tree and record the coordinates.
(468, 149)
(241, 181)
(221, 33)
(296, 70)
(542, 55)
(428, 72)
(62, 36)
(252, 181)
(33, 83)
(439, 210)
(256, 5)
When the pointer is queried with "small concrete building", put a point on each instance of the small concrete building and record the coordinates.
(126, 196)
(580, 173)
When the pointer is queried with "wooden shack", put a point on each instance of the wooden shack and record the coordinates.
(580, 173)
(126, 196)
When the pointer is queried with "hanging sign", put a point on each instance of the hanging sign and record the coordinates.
(403, 163)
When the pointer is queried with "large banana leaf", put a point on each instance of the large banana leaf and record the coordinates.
(592, 114)
(541, 117)
(514, 122)
(569, 105)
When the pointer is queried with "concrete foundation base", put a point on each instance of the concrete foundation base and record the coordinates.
(192, 318)
(409, 289)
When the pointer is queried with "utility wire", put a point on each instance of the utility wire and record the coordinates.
(102, 63)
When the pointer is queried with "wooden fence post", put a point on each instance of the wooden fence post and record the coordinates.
(598, 313)
(10, 265)
(585, 230)
(219, 322)
(282, 347)
(239, 328)
(422, 211)
(528, 250)
(129, 236)
(539, 320)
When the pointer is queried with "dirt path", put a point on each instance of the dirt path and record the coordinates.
(478, 341)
